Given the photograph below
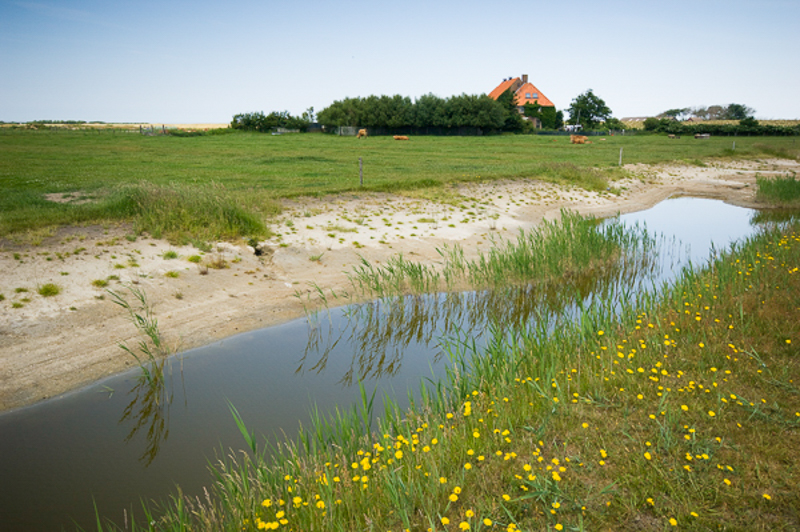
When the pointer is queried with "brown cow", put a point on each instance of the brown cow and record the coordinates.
(578, 139)
(361, 133)
(400, 137)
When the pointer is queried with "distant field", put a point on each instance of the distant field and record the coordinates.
(238, 176)
(639, 124)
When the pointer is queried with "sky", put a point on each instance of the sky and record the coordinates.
(202, 61)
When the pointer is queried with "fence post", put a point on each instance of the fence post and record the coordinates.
(620, 156)
(360, 172)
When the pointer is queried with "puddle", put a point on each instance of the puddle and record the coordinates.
(117, 442)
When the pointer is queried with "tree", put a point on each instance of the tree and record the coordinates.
(677, 114)
(588, 110)
(737, 111)
(514, 120)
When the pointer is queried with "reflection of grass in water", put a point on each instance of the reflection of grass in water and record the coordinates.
(150, 404)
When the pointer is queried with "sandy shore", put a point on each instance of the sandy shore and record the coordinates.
(50, 345)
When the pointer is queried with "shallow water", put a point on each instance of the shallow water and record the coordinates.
(116, 442)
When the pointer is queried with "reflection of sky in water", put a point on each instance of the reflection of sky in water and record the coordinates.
(57, 456)
(696, 223)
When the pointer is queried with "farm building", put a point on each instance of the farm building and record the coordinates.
(526, 93)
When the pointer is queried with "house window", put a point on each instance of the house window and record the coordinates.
(527, 95)
(535, 95)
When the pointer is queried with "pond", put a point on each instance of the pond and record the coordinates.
(120, 441)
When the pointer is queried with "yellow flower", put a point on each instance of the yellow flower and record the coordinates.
(398, 454)
(506, 497)
(445, 521)
(556, 477)
(556, 505)
(647, 455)
(463, 525)
(267, 503)
(442, 480)
(559, 526)
(467, 466)
(600, 333)
(766, 496)
(684, 408)
(470, 513)
(457, 489)
(711, 413)
(585, 425)
(673, 521)
(453, 497)
(726, 481)
(487, 522)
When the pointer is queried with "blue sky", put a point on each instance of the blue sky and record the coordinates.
(203, 61)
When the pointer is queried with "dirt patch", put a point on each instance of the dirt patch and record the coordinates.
(50, 345)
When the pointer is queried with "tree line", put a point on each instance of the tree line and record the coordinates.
(400, 112)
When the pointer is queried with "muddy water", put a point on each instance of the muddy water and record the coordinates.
(120, 441)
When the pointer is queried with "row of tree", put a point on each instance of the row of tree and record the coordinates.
(430, 111)
(266, 123)
(734, 111)
(748, 126)
(398, 112)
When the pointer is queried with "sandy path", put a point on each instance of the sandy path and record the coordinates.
(50, 345)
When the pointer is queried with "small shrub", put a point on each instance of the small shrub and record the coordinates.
(172, 274)
(195, 259)
(17, 304)
(171, 254)
(20, 290)
(2, 297)
(49, 290)
(100, 283)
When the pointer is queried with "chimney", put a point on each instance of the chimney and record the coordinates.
(524, 79)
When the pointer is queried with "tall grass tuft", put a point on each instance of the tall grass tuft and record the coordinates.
(182, 213)
(151, 350)
(779, 191)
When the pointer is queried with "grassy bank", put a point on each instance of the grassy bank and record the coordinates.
(681, 410)
(109, 176)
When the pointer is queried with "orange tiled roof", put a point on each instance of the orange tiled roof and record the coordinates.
(529, 88)
(503, 87)
(523, 90)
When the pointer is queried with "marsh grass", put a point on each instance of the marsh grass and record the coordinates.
(151, 351)
(562, 249)
(781, 191)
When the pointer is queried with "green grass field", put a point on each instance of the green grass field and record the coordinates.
(181, 187)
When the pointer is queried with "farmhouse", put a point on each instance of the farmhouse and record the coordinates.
(525, 92)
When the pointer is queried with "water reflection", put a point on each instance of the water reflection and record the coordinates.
(378, 332)
(148, 410)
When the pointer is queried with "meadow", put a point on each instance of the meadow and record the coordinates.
(678, 409)
(203, 188)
